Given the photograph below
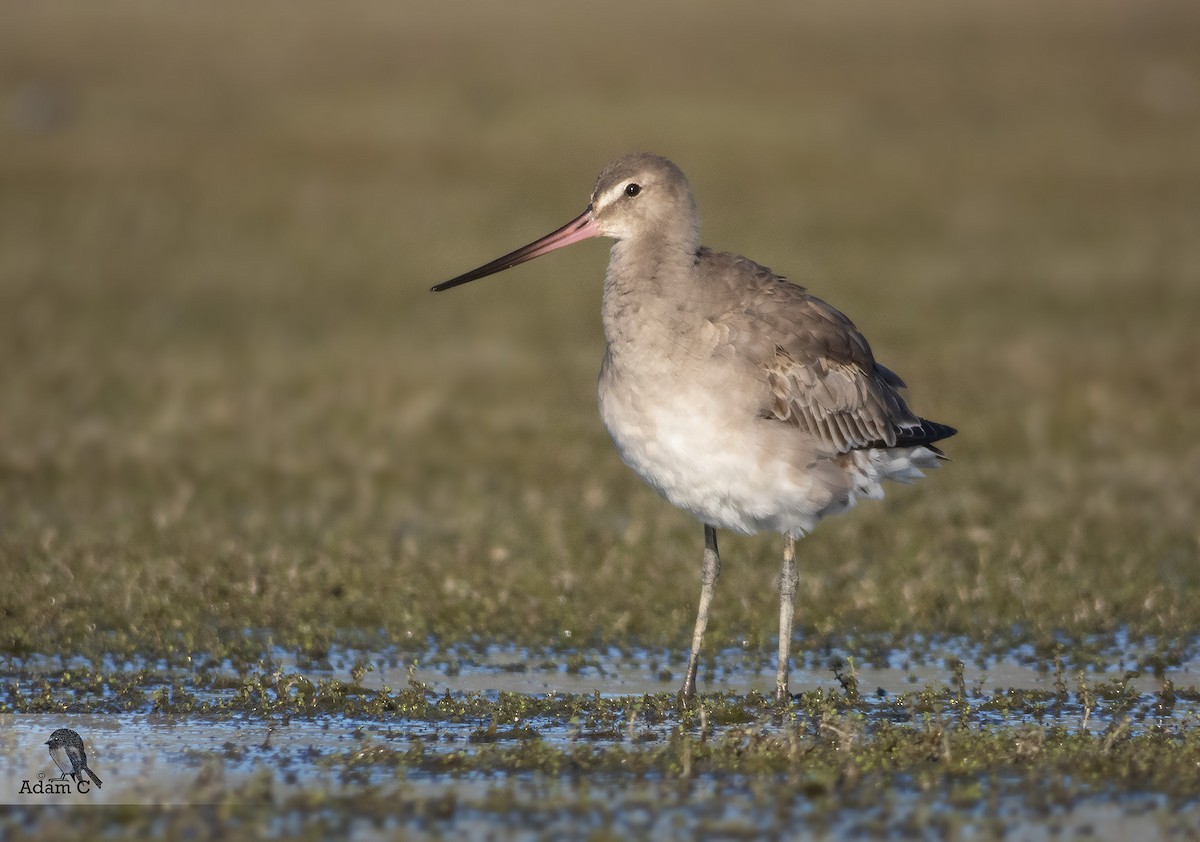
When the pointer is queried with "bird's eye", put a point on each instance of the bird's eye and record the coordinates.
(632, 189)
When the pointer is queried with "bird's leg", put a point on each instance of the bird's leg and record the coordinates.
(708, 582)
(787, 593)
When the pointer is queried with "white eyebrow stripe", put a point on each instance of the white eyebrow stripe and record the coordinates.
(612, 194)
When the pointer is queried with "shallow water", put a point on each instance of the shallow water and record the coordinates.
(440, 741)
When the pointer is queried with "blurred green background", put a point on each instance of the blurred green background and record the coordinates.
(228, 402)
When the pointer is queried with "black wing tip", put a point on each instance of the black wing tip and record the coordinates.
(923, 435)
(926, 434)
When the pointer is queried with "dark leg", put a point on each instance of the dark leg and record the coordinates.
(708, 582)
(787, 594)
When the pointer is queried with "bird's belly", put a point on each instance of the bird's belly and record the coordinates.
(712, 457)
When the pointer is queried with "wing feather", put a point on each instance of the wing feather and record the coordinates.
(818, 370)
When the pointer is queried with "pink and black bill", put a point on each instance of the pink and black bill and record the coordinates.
(580, 228)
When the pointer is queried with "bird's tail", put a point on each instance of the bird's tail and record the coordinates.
(92, 775)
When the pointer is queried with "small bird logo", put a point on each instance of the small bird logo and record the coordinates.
(66, 750)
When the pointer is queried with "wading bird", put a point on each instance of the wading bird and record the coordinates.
(738, 395)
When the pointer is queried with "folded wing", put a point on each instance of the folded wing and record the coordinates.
(823, 377)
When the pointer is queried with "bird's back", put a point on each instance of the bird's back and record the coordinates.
(815, 368)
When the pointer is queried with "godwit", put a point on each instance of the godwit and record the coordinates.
(739, 396)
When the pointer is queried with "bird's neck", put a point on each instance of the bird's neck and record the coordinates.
(649, 294)
(652, 267)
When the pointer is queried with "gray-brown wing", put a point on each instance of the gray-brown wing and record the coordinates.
(819, 372)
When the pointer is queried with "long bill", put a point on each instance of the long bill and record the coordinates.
(580, 228)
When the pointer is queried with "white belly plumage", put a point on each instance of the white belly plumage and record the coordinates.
(734, 471)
